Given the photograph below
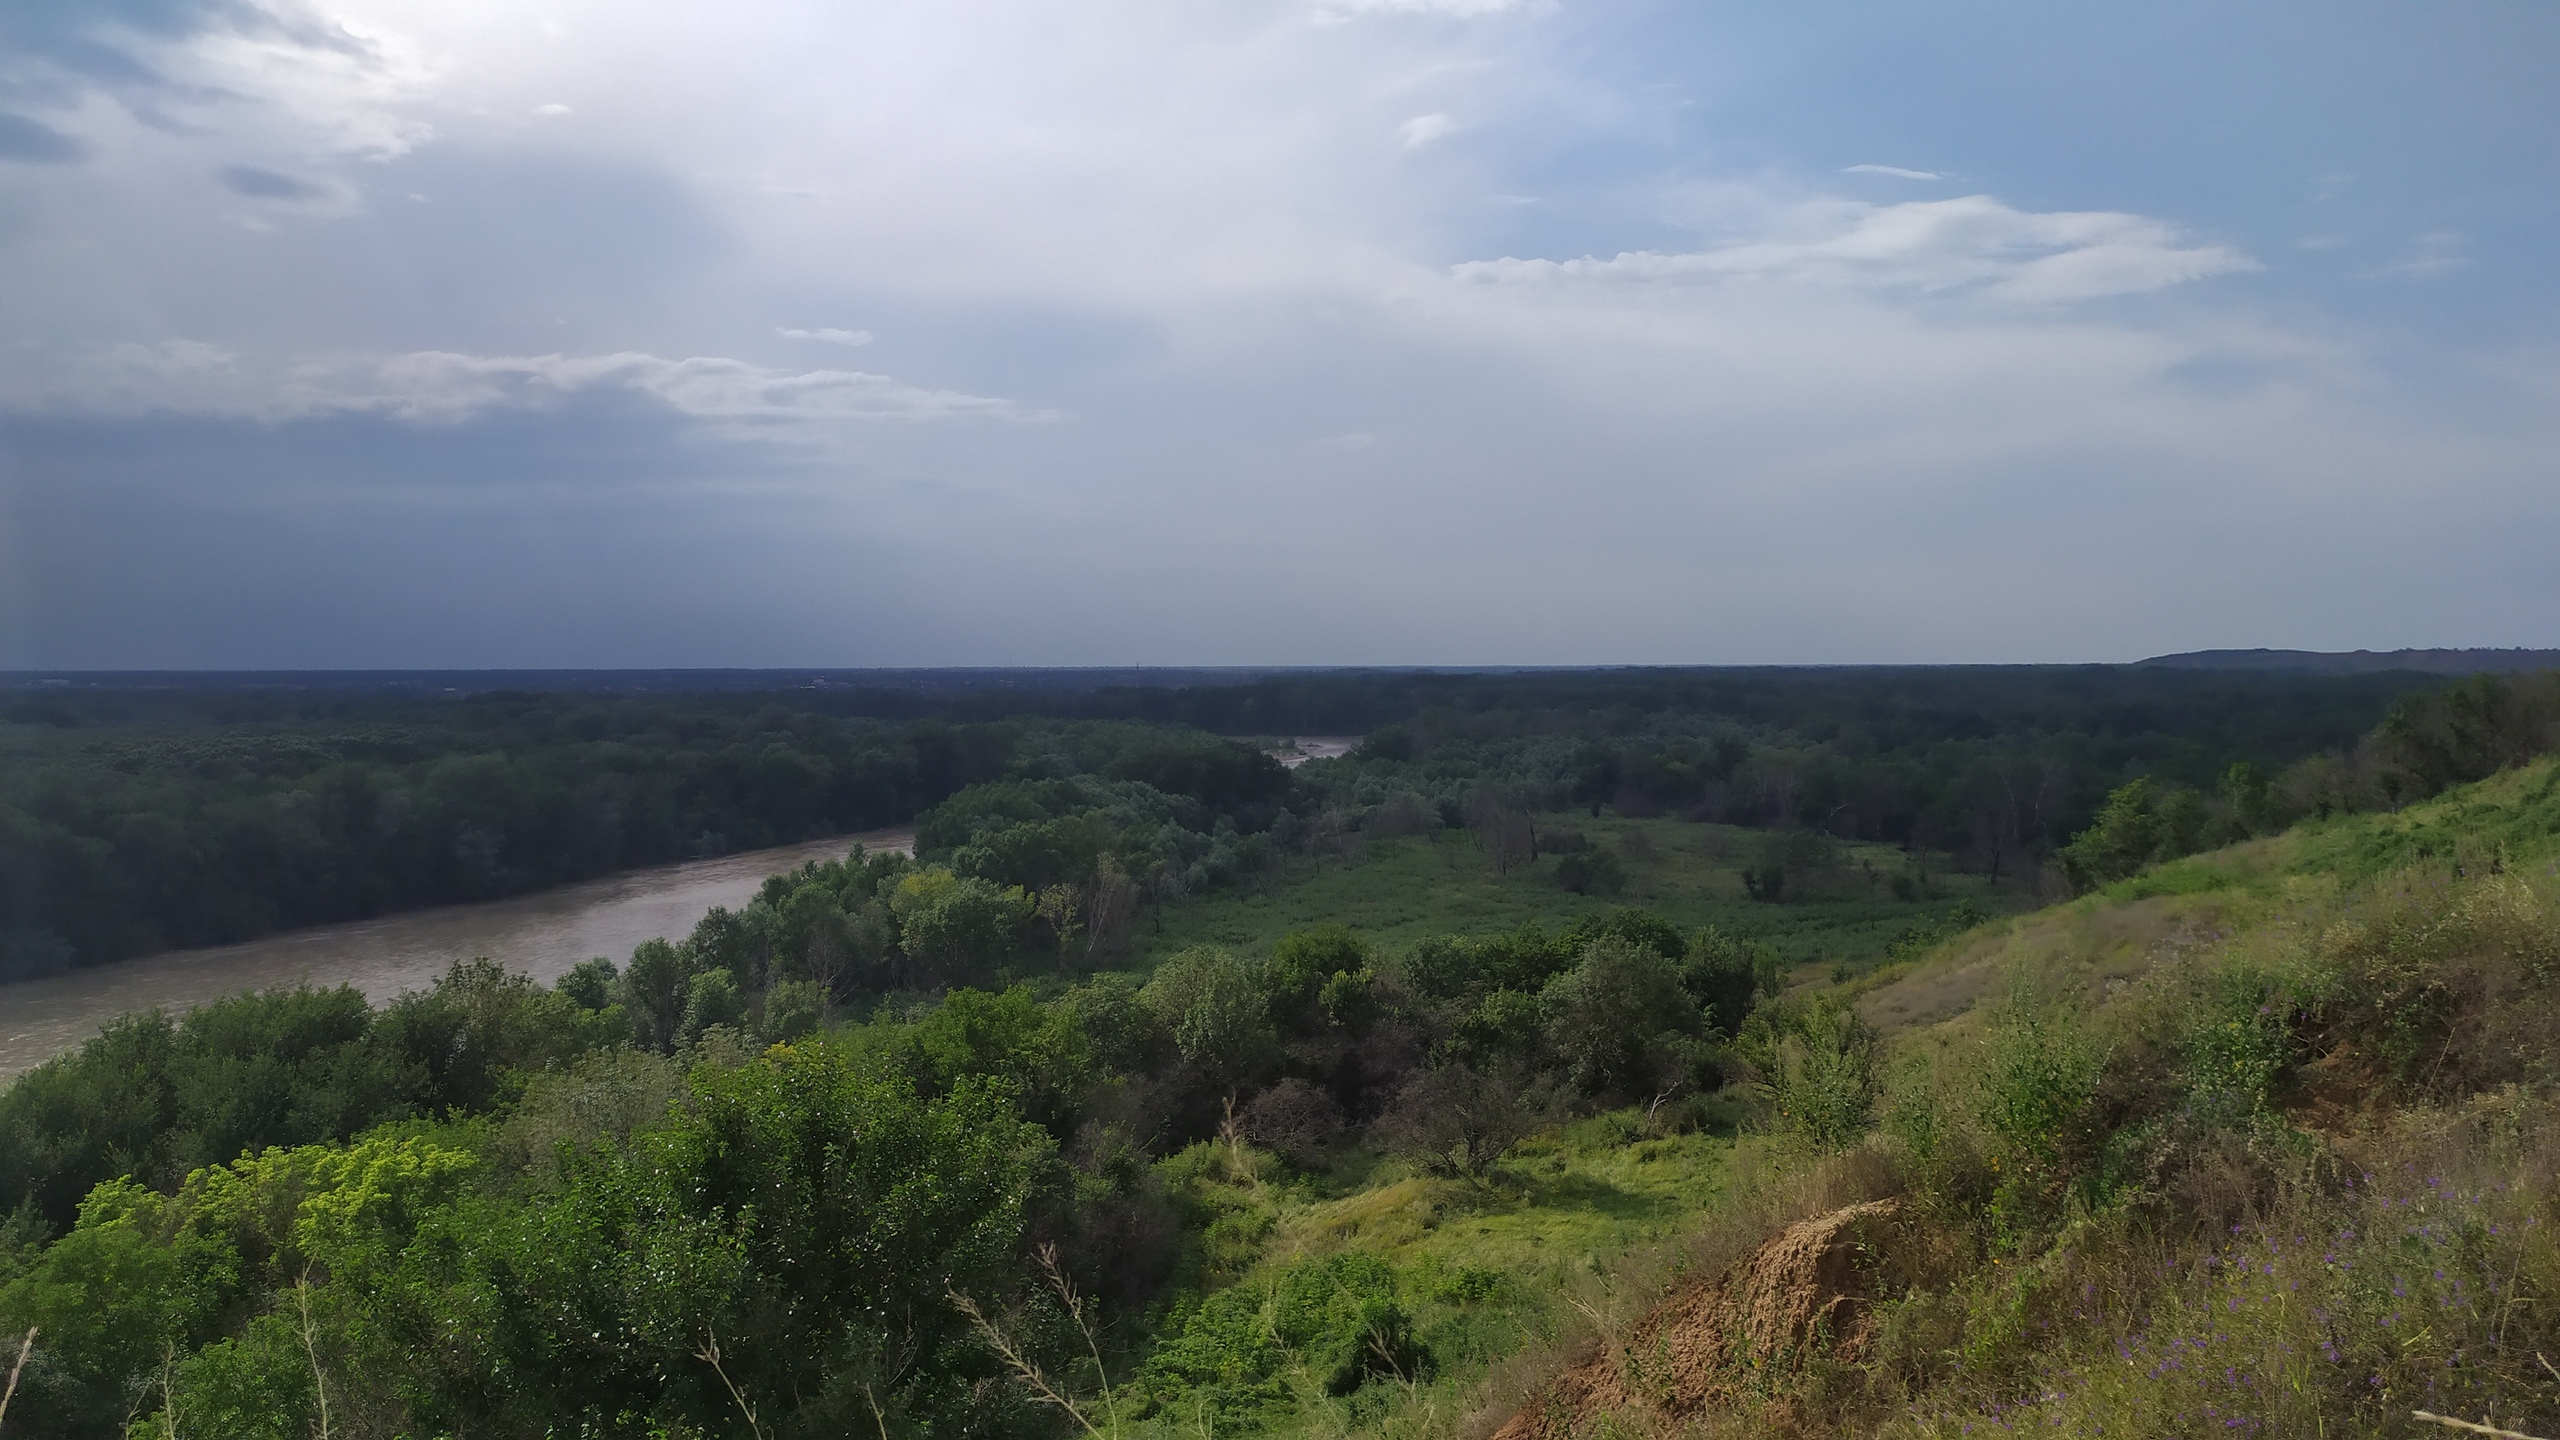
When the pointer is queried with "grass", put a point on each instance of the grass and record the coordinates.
(1396, 892)
(2351, 1234)
(1487, 1268)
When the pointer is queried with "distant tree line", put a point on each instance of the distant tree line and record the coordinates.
(1998, 767)
(123, 840)
(137, 820)
(2428, 744)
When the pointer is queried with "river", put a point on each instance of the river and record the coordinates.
(541, 935)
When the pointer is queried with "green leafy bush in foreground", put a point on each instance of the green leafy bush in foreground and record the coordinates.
(1329, 1324)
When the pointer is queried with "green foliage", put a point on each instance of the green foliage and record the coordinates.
(1333, 1323)
(2337, 1310)
(1816, 1061)
(549, 1229)
(2137, 827)
(1218, 1011)
(809, 1211)
(1037, 1053)
(2037, 1105)
(179, 829)
(1318, 977)
(792, 1009)
(1616, 1020)
(1727, 977)
(656, 986)
(156, 1099)
(957, 929)
(1592, 872)
(145, 1279)
(2426, 744)
(589, 983)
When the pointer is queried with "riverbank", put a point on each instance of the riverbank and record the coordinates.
(540, 935)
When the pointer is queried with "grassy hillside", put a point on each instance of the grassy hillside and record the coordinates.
(1396, 892)
(2261, 1141)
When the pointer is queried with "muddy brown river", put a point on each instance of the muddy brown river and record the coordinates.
(539, 935)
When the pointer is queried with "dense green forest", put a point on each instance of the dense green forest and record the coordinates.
(898, 1148)
(134, 819)
(121, 839)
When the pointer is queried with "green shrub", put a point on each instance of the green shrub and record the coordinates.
(2431, 1284)
(1334, 1323)
(1817, 1066)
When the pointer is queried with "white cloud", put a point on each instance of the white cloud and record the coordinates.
(1975, 243)
(2433, 254)
(554, 108)
(186, 377)
(338, 84)
(1463, 9)
(1893, 170)
(829, 334)
(1421, 130)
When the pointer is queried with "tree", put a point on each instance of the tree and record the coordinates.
(656, 986)
(958, 929)
(1726, 977)
(1309, 965)
(1616, 1018)
(2140, 824)
(1504, 828)
(1218, 1012)
(1458, 1120)
(810, 1212)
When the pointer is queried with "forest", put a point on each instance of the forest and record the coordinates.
(980, 1142)
(135, 819)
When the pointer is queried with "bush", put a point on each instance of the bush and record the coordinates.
(1295, 1120)
(1337, 1322)
(1592, 872)
(1816, 1064)
(1457, 1120)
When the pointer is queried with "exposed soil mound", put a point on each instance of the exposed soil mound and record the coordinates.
(1797, 1295)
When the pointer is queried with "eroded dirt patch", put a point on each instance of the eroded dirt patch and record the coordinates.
(1799, 1294)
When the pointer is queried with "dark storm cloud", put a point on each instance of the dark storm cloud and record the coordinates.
(353, 535)
(32, 143)
(260, 184)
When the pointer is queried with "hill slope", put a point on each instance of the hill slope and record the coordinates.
(2261, 1141)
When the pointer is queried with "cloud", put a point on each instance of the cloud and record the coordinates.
(1421, 130)
(32, 143)
(1973, 244)
(1191, 227)
(260, 184)
(554, 108)
(2433, 254)
(185, 377)
(206, 65)
(829, 334)
(1895, 171)
(1463, 9)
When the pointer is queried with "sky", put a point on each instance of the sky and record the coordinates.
(449, 333)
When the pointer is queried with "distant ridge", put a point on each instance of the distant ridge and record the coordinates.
(2360, 662)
